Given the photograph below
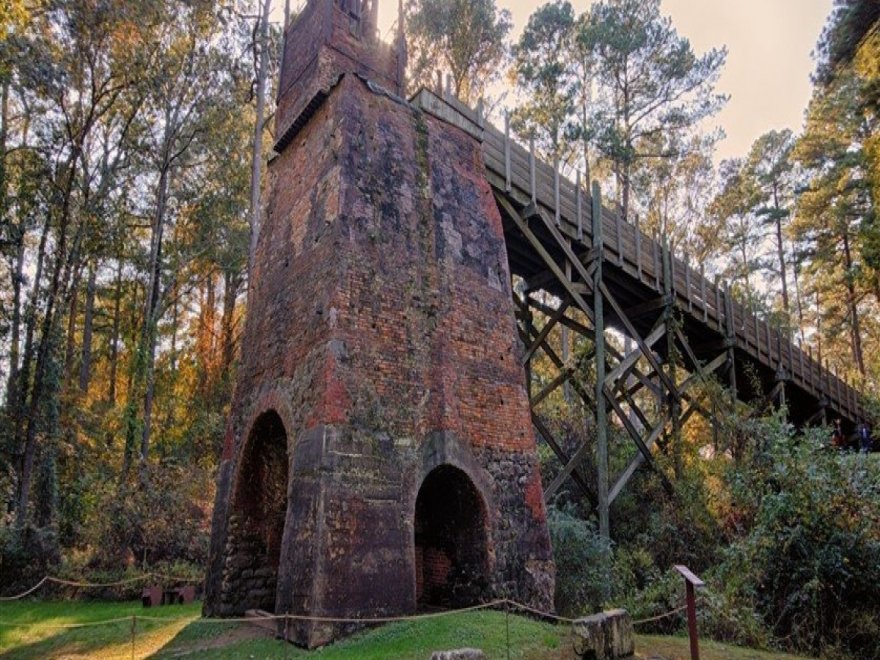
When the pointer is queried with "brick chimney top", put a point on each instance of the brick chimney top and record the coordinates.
(330, 38)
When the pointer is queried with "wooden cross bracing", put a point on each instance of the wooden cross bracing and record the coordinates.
(642, 370)
(666, 333)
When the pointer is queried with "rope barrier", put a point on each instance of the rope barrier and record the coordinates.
(98, 585)
(302, 617)
(298, 617)
(85, 585)
(26, 593)
(505, 602)
(660, 616)
(546, 615)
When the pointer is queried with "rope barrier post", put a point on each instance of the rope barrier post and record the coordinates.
(133, 633)
(286, 639)
(691, 582)
(507, 625)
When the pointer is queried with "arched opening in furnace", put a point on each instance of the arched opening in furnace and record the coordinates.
(451, 559)
(259, 511)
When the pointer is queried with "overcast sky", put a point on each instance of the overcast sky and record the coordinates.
(768, 64)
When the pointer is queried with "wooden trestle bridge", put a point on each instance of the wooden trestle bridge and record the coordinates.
(604, 274)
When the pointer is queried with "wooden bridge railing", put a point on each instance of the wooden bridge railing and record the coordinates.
(514, 169)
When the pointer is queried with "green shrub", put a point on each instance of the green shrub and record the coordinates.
(808, 560)
(26, 555)
(579, 551)
(161, 519)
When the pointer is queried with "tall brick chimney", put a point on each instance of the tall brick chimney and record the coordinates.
(333, 37)
(379, 455)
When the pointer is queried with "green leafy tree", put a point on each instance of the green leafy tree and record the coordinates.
(542, 68)
(770, 167)
(466, 38)
(738, 229)
(650, 84)
(832, 208)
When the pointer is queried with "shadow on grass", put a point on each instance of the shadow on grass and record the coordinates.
(486, 630)
(177, 631)
(37, 631)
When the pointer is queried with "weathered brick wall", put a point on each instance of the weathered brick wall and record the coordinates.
(381, 332)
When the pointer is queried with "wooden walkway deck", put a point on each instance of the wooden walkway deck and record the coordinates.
(633, 266)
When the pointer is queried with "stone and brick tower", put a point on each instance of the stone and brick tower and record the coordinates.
(379, 455)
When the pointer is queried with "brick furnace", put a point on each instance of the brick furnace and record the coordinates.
(379, 455)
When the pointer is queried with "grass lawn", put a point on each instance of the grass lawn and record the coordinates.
(181, 634)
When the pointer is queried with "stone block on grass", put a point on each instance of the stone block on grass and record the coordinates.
(604, 636)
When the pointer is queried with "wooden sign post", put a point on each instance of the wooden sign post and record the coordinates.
(691, 582)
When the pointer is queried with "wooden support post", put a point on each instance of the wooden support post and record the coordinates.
(618, 231)
(656, 261)
(529, 324)
(566, 387)
(687, 282)
(672, 401)
(601, 406)
(837, 389)
(533, 176)
(703, 293)
(439, 88)
(557, 215)
(507, 174)
(781, 373)
(757, 335)
(801, 363)
(829, 383)
(731, 341)
(813, 378)
(579, 206)
(846, 392)
(638, 236)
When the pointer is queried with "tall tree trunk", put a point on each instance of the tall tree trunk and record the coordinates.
(780, 252)
(149, 392)
(114, 333)
(797, 297)
(745, 260)
(46, 330)
(18, 262)
(627, 163)
(585, 143)
(175, 320)
(818, 328)
(231, 284)
(852, 304)
(15, 322)
(4, 135)
(70, 350)
(151, 309)
(257, 145)
(85, 368)
(205, 340)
